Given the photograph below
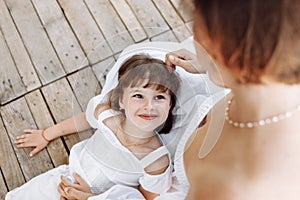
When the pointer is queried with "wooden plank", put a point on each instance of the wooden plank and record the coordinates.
(63, 105)
(181, 32)
(110, 24)
(165, 37)
(173, 19)
(85, 86)
(3, 189)
(8, 161)
(36, 41)
(102, 68)
(91, 39)
(61, 35)
(184, 8)
(189, 25)
(169, 13)
(16, 118)
(11, 85)
(43, 119)
(149, 17)
(18, 51)
(129, 19)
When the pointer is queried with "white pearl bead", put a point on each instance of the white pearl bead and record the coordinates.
(261, 122)
(288, 114)
(274, 119)
(249, 124)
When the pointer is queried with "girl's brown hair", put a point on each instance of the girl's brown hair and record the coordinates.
(144, 71)
(254, 37)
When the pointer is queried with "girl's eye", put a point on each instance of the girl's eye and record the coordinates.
(160, 97)
(139, 96)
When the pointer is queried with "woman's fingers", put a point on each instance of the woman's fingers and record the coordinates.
(182, 58)
(170, 61)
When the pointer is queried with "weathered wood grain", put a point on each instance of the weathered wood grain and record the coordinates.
(36, 40)
(149, 17)
(85, 86)
(63, 105)
(11, 85)
(189, 25)
(181, 32)
(3, 189)
(102, 68)
(167, 36)
(130, 20)
(169, 13)
(90, 37)
(184, 9)
(43, 119)
(61, 35)
(17, 49)
(8, 161)
(16, 118)
(110, 24)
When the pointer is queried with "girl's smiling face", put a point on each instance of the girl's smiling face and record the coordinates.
(145, 108)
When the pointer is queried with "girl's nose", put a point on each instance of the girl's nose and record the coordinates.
(148, 104)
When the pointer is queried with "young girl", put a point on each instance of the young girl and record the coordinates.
(126, 149)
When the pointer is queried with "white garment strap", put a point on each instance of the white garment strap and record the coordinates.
(153, 156)
(107, 114)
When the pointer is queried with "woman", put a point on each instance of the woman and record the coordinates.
(255, 46)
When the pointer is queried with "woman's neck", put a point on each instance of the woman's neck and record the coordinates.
(256, 102)
(272, 143)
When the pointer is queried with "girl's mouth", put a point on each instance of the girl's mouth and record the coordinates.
(148, 117)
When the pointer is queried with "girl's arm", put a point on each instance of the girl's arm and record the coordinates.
(41, 138)
(156, 168)
(148, 195)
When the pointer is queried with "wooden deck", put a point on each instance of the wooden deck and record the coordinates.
(54, 55)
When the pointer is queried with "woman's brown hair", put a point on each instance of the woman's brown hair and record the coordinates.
(254, 37)
(144, 71)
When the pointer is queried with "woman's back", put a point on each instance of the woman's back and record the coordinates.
(246, 163)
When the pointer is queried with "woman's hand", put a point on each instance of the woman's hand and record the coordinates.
(185, 59)
(70, 191)
(32, 138)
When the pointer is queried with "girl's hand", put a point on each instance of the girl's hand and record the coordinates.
(183, 58)
(32, 138)
(78, 191)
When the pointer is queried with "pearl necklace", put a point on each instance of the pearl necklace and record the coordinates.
(262, 122)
